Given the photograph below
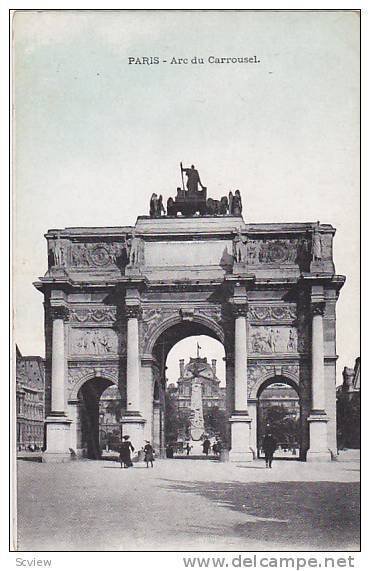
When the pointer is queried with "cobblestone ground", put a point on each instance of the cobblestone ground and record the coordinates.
(188, 505)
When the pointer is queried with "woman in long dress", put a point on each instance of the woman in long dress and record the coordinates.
(125, 452)
(149, 454)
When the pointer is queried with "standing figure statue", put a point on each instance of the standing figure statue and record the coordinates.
(237, 204)
(316, 244)
(160, 207)
(231, 200)
(239, 248)
(58, 253)
(193, 179)
(171, 208)
(135, 250)
(224, 205)
(153, 205)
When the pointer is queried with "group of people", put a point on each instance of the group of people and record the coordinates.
(269, 446)
(127, 447)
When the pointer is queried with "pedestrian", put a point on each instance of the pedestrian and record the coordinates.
(169, 451)
(269, 447)
(188, 448)
(206, 446)
(149, 454)
(215, 449)
(125, 450)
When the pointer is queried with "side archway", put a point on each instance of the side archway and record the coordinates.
(279, 412)
(85, 411)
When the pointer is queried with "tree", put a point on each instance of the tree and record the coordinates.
(215, 421)
(284, 427)
(348, 420)
(177, 421)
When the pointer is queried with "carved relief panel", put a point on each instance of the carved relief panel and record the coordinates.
(93, 342)
(95, 255)
(283, 251)
(265, 339)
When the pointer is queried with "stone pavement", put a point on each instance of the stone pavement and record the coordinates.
(188, 505)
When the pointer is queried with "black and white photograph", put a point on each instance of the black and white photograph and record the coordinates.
(186, 281)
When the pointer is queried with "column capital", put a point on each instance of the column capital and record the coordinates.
(59, 312)
(133, 311)
(317, 308)
(239, 310)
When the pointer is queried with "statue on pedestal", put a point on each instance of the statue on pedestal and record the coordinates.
(316, 244)
(135, 250)
(58, 253)
(237, 204)
(193, 179)
(156, 206)
(240, 248)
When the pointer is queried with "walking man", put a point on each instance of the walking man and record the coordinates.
(269, 447)
(206, 446)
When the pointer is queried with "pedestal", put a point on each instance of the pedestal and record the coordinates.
(133, 425)
(58, 439)
(240, 438)
(318, 451)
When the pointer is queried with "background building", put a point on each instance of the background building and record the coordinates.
(30, 402)
(349, 407)
(198, 367)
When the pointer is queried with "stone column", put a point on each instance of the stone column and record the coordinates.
(57, 423)
(318, 450)
(132, 422)
(240, 420)
(157, 426)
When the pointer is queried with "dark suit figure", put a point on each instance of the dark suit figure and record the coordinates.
(269, 447)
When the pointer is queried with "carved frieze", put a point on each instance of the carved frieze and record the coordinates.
(240, 310)
(95, 255)
(150, 321)
(97, 315)
(133, 311)
(258, 372)
(272, 313)
(76, 374)
(59, 312)
(318, 308)
(264, 339)
(93, 342)
(283, 251)
(152, 317)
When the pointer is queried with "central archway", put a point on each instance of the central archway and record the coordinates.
(169, 403)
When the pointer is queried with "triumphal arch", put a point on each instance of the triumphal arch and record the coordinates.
(117, 300)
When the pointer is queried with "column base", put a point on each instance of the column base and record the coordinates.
(57, 439)
(132, 423)
(318, 450)
(240, 438)
(53, 457)
(319, 456)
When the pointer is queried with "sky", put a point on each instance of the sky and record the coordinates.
(94, 136)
